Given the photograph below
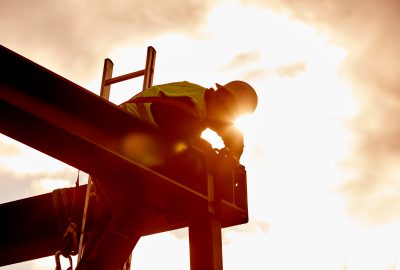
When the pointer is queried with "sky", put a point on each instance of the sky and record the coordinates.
(321, 150)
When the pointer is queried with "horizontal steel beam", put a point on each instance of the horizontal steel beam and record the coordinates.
(33, 227)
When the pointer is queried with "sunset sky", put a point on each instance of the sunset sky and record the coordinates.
(322, 150)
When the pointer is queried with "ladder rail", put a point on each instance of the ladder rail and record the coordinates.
(105, 89)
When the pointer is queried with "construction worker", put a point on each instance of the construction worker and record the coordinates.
(183, 109)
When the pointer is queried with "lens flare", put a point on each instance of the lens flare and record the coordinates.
(143, 148)
(213, 138)
(244, 122)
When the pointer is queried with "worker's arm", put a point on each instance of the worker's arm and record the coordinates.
(233, 140)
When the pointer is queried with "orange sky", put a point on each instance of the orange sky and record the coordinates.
(321, 150)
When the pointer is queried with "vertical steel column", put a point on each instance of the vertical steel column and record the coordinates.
(205, 244)
(205, 239)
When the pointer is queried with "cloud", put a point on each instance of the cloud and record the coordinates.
(253, 226)
(368, 30)
(76, 35)
(257, 74)
(181, 234)
(290, 70)
(15, 186)
(10, 185)
(251, 62)
(374, 196)
(243, 59)
(8, 149)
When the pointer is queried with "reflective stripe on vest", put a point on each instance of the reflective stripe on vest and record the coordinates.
(139, 105)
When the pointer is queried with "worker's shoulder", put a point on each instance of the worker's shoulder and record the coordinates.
(176, 88)
(179, 85)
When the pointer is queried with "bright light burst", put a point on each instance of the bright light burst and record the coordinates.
(245, 123)
(213, 138)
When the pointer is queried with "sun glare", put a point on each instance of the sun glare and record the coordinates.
(213, 138)
(245, 122)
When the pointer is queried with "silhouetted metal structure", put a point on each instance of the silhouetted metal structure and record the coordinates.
(61, 119)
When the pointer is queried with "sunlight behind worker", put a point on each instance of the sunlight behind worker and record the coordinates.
(230, 101)
(213, 138)
(186, 109)
(182, 110)
(245, 96)
(245, 122)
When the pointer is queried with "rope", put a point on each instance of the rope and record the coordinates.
(70, 236)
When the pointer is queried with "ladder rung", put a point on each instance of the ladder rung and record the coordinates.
(125, 77)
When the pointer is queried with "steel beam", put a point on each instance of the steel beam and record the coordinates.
(33, 227)
(61, 119)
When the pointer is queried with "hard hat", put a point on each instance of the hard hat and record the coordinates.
(245, 95)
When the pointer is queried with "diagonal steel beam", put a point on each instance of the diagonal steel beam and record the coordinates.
(61, 119)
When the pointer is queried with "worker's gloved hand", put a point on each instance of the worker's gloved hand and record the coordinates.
(225, 160)
(233, 140)
(224, 166)
(226, 153)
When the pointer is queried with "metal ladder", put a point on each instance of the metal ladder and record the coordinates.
(106, 82)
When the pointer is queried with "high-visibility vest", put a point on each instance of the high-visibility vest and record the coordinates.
(140, 104)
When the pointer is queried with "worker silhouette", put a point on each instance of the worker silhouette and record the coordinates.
(183, 109)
